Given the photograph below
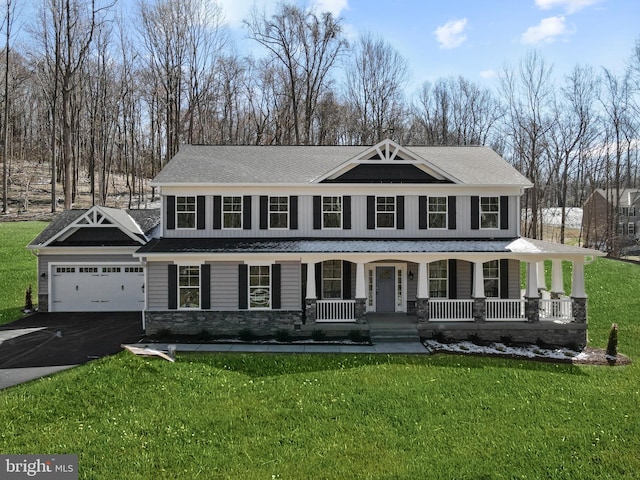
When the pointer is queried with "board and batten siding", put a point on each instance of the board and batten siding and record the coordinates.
(45, 259)
(358, 222)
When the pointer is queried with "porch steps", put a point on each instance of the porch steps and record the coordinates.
(398, 334)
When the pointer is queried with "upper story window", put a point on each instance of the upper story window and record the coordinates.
(632, 228)
(489, 212)
(438, 279)
(278, 212)
(332, 279)
(232, 212)
(186, 212)
(385, 212)
(437, 212)
(491, 272)
(331, 212)
(628, 211)
(259, 286)
(189, 286)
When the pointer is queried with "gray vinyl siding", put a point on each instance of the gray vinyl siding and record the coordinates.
(45, 259)
(290, 286)
(158, 286)
(514, 278)
(358, 222)
(224, 286)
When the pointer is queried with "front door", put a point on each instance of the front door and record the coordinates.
(385, 289)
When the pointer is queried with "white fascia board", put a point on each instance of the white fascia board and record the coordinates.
(88, 250)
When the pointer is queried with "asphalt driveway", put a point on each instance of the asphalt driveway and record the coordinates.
(44, 343)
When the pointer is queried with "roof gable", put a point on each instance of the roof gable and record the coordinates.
(387, 162)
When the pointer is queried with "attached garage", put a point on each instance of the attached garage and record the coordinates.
(92, 288)
(86, 261)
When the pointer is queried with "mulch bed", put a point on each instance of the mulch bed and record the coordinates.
(598, 356)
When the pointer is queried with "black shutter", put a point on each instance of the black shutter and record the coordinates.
(317, 212)
(400, 212)
(264, 212)
(276, 287)
(243, 287)
(200, 201)
(173, 286)
(346, 212)
(293, 212)
(318, 274)
(217, 212)
(475, 213)
(451, 213)
(371, 212)
(171, 212)
(246, 212)
(504, 278)
(504, 213)
(205, 286)
(422, 212)
(453, 279)
(346, 280)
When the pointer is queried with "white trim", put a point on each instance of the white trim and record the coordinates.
(241, 212)
(199, 307)
(341, 212)
(195, 213)
(492, 213)
(248, 286)
(394, 212)
(446, 212)
(288, 227)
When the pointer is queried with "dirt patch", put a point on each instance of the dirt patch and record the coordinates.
(598, 356)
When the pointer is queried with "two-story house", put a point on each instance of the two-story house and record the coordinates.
(601, 223)
(327, 238)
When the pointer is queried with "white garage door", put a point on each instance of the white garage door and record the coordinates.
(92, 288)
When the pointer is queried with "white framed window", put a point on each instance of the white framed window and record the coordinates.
(385, 212)
(438, 279)
(489, 212)
(631, 228)
(278, 213)
(189, 286)
(259, 287)
(331, 212)
(491, 273)
(232, 213)
(186, 212)
(370, 285)
(332, 279)
(437, 212)
(628, 211)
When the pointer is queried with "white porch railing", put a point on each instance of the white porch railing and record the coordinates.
(556, 309)
(444, 310)
(335, 311)
(506, 310)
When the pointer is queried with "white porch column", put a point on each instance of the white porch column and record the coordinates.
(360, 281)
(532, 281)
(542, 280)
(311, 281)
(478, 281)
(577, 280)
(423, 280)
(557, 284)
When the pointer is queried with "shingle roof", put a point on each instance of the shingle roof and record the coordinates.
(303, 164)
(146, 219)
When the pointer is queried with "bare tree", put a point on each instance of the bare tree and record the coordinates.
(375, 78)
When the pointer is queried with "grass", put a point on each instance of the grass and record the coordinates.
(346, 416)
(17, 267)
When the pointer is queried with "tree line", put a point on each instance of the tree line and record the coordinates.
(90, 94)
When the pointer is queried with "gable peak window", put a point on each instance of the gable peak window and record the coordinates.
(331, 212)
(232, 213)
(186, 212)
(278, 212)
(385, 212)
(489, 212)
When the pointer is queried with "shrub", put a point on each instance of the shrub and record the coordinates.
(246, 335)
(318, 335)
(612, 344)
(28, 301)
(205, 335)
(164, 332)
(283, 335)
(356, 336)
(440, 336)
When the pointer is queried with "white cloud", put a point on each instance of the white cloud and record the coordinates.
(488, 74)
(451, 34)
(547, 31)
(334, 6)
(570, 6)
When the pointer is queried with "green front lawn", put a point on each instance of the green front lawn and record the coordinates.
(346, 416)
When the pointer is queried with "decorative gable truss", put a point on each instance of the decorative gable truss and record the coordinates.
(387, 162)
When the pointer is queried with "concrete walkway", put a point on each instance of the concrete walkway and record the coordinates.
(382, 347)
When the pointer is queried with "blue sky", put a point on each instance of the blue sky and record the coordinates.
(478, 38)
